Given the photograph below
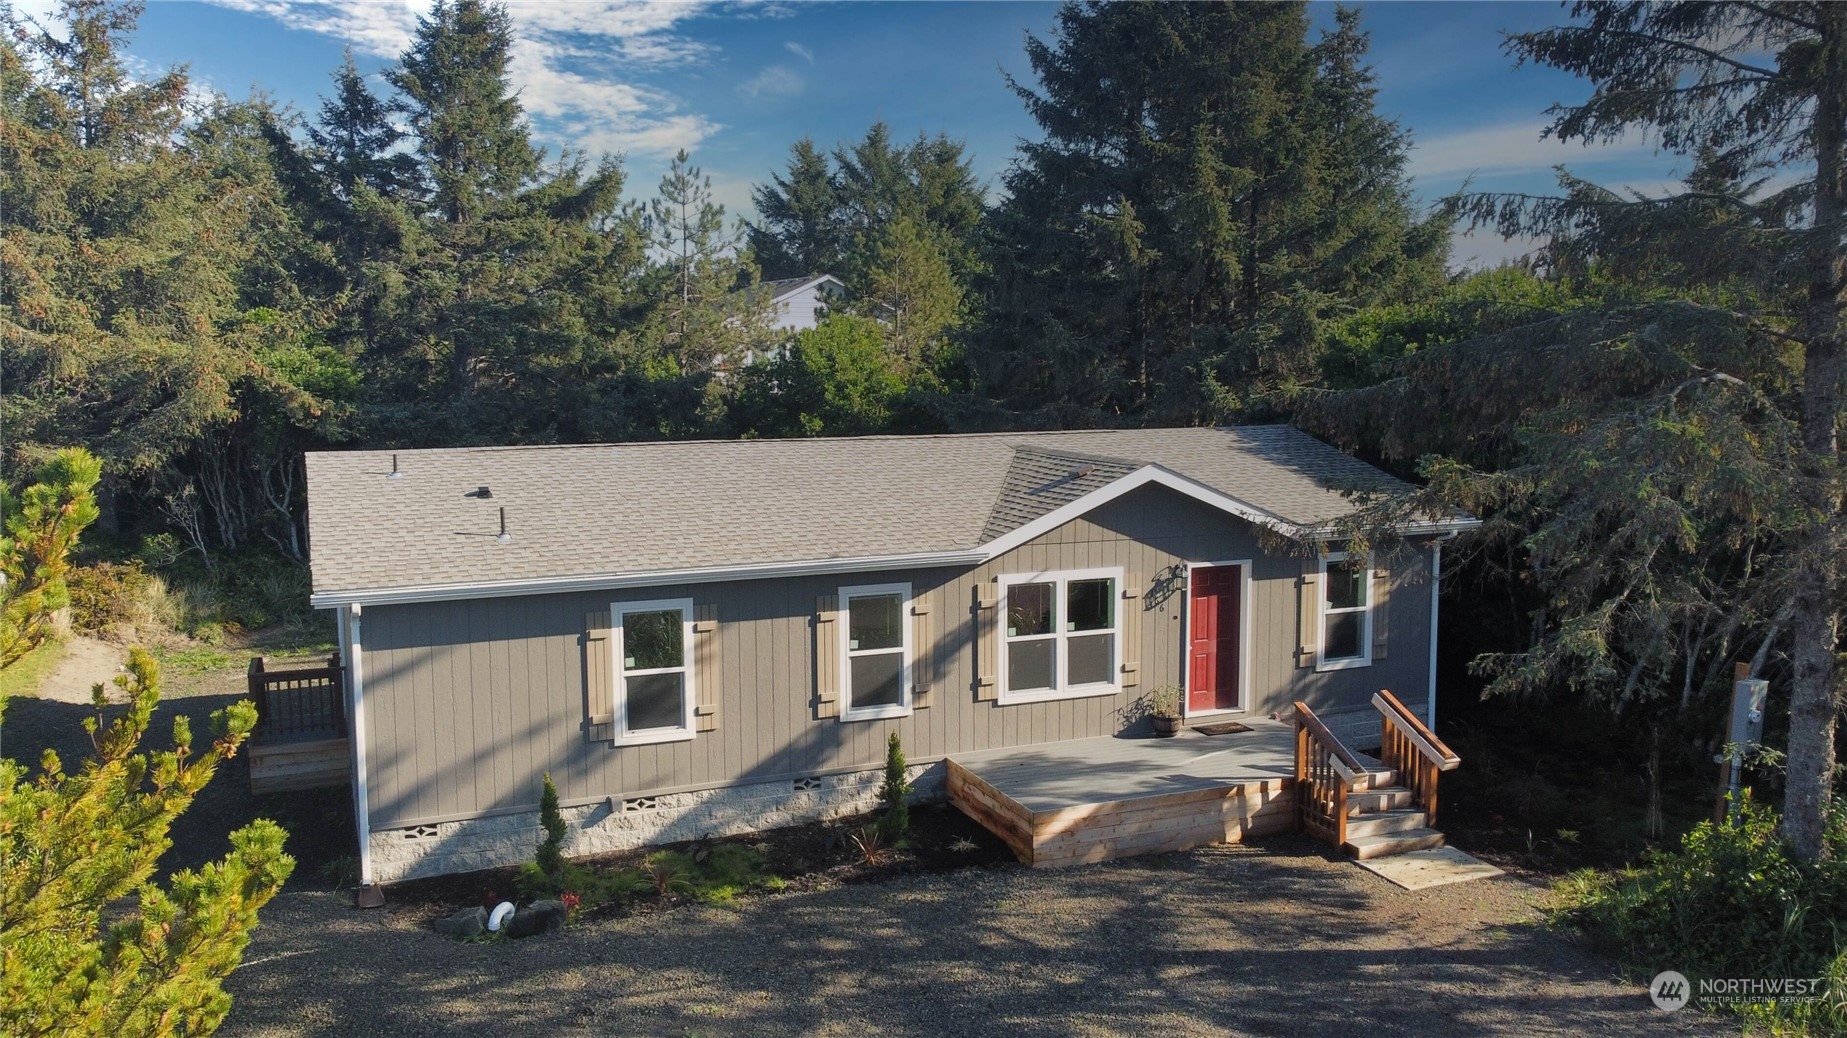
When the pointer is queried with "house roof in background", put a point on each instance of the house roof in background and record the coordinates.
(628, 513)
(785, 287)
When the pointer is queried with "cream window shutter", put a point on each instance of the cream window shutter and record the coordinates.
(705, 667)
(1308, 618)
(1133, 619)
(599, 678)
(987, 641)
(923, 655)
(827, 656)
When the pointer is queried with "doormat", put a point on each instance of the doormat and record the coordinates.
(1222, 728)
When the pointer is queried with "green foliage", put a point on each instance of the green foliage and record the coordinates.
(107, 594)
(835, 379)
(88, 943)
(550, 857)
(1657, 444)
(896, 821)
(1212, 188)
(1732, 901)
(38, 529)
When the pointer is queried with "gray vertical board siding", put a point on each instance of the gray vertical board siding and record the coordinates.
(473, 701)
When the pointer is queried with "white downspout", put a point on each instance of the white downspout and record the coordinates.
(1436, 587)
(356, 723)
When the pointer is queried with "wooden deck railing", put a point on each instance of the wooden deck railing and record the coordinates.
(1325, 771)
(1413, 751)
(299, 704)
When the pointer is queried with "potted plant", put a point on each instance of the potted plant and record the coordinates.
(1164, 710)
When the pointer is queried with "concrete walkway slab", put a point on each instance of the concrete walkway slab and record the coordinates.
(1434, 867)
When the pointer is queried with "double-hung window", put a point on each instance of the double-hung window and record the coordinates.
(1346, 613)
(1061, 635)
(654, 676)
(877, 673)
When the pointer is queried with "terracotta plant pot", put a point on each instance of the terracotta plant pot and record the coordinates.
(1165, 727)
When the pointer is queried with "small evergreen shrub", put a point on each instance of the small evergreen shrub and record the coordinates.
(896, 821)
(550, 858)
(1730, 903)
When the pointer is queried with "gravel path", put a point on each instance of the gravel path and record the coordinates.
(1269, 939)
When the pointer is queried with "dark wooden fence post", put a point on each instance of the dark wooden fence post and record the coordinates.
(259, 691)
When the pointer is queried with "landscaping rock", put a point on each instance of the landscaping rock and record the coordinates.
(469, 922)
(536, 918)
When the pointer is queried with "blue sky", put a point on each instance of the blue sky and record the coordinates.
(737, 83)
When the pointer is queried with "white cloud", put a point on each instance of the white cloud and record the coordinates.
(574, 65)
(383, 29)
(800, 51)
(1504, 148)
(775, 81)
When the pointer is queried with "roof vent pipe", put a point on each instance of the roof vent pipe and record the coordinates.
(503, 536)
(394, 473)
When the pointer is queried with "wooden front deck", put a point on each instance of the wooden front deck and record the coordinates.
(300, 741)
(1088, 800)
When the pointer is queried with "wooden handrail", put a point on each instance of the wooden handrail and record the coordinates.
(1414, 731)
(1325, 772)
(1307, 719)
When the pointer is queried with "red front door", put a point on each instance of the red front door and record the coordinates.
(1212, 646)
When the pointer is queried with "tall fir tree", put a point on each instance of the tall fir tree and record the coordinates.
(1166, 252)
(356, 143)
(799, 232)
(1664, 456)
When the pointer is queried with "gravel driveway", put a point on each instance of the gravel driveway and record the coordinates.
(1269, 939)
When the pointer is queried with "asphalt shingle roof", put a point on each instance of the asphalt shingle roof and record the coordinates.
(627, 508)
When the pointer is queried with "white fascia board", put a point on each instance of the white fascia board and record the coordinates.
(1421, 528)
(656, 578)
(1141, 477)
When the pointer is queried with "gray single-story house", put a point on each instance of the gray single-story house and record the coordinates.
(710, 637)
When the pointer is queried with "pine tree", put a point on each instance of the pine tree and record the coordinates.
(89, 944)
(799, 233)
(896, 821)
(356, 141)
(1665, 455)
(908, 285)
(706, 315)
(38, 529)
(1167, 250)
(470, 132)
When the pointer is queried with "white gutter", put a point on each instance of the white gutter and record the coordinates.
(656, 578)
(356, 731)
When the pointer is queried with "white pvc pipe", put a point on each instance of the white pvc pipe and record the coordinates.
(356, 723)
(1436, 587)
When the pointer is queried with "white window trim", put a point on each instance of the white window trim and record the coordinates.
(1059, 578)
(1364, 659)
(1244, 641)
(618, 613)
(902, 708)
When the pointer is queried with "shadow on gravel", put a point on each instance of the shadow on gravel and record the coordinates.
(319, 822)
(1279, 940)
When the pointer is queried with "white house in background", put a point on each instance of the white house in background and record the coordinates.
(797, 304)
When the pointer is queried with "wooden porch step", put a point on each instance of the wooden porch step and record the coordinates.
(1380, 823)
(1379, 798)
(1364, 847)
(310, 764)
